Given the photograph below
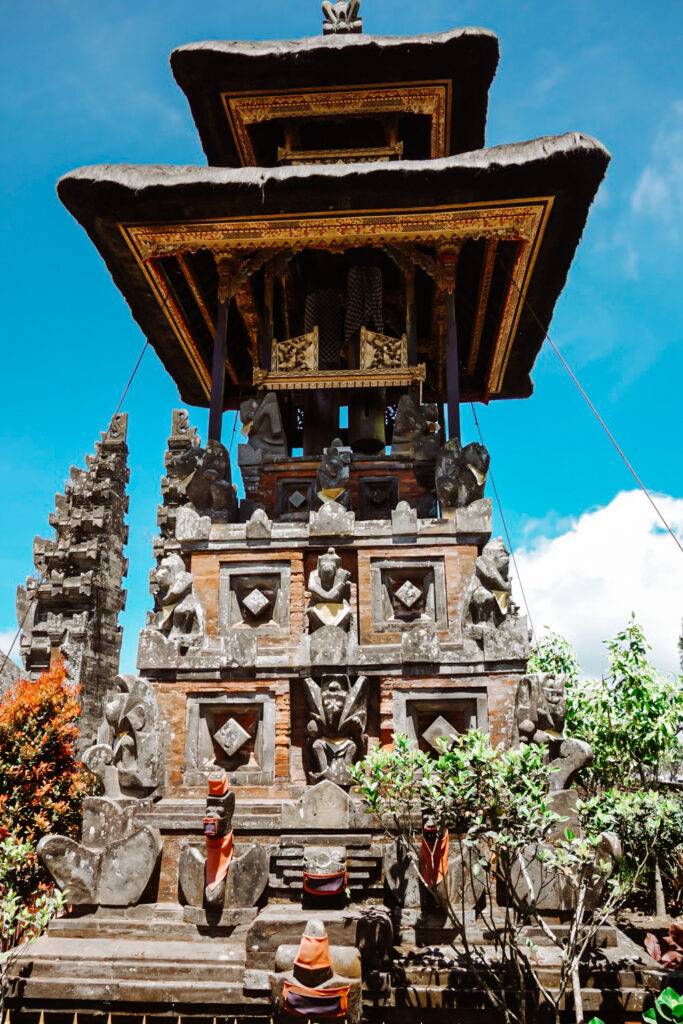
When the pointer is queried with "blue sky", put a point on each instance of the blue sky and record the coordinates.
(88, 82)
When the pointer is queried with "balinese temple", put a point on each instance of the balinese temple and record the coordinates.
(350, 267)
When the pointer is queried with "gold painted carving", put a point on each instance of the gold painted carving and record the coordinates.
(377, 154)
(379, 351)
(305, 380)
(294, 355)
(428, 99)
(482, 304)
(517, 220)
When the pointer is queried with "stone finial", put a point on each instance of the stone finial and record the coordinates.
(341, 16)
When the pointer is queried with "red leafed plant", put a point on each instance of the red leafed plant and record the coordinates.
(42, 782)
(671, 956)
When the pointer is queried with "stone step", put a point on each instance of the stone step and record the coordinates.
(121, 970)
(166, 992)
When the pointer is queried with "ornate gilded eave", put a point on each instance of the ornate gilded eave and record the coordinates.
(520, 221)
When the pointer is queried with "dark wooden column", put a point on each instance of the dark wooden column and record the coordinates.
(411, 325)
(448, 259)
(220, 345)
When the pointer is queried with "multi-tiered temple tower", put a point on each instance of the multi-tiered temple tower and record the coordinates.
(349, 268)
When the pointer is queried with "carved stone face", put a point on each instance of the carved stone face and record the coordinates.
(334, 694)
(168, 571)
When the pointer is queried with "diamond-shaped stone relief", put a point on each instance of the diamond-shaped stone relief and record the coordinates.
(297, 499)
(438, 730)
(408, 594)
(256, 602)
(231, 737)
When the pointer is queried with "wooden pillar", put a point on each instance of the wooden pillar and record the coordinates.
(411, 325)
(452, 369)
(220, 346)
(268, 315)
(449, 262)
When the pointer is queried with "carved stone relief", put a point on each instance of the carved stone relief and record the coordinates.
(333, 475)
(295, 499)
(461, 473)
(329, 589)
(234, 732)
(408, 592)
(427, 717)
(336, 728)
(255, 597)
(127, 755)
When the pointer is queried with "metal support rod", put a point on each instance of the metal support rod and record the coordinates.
(452, 369)
(220, 344)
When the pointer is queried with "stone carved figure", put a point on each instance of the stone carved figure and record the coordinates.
(416, 429)
(339, 714)
(114, 861)
(221, 877)
(342, 16)
(126, 756)
(178, 613)
(540, 708)
(489, 599)
(334, 473)
(330, 590)
(540, 711)
(461, 473)
(203, 479)
(262, 423)
(539, 718)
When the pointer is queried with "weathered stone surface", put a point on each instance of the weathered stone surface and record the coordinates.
(329, 587)
(127, 756)
(420, 643)
(245, 882)
(324, 805)
(416, 429)
(328, 646)
(114, 862)
(190, 526)
(404, 521)
(401, 871)
(331, 521)
(332, 482)
(259, 526)
(262, 423)
(336, 728)
(476, 518)
(72, 606)
(178, 614)
(461, 473)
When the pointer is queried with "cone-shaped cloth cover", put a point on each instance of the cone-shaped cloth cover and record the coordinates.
(318, 1003)
(434, 857)
(314, 953)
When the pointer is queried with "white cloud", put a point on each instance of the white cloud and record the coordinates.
(658, 194)
(612, 561)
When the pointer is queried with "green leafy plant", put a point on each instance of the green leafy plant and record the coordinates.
(494, 804)
(668, 1007)
(22, 920)
(633, 720)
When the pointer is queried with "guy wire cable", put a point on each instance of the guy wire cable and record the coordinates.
(584, 394)
(505, 528)
(41, 578)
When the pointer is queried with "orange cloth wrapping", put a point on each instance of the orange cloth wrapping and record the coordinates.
(434, 859)
(313, 953)
(219, 853)
(219, 786)
(300, 1001)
